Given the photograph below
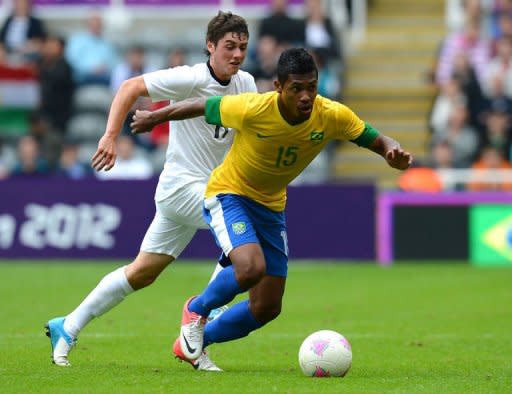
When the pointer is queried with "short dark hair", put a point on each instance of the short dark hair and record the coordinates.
(295, 61)
(56, 37)
(137, 48)
(222, 23)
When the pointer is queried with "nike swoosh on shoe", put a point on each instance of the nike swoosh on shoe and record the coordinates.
(189, 348)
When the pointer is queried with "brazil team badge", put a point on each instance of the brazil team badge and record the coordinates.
(238, 228)
(317, 136)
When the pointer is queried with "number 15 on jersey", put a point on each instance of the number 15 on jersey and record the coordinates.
(286, 156)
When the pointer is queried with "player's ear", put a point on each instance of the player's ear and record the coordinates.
(277, 86)
(210, 46)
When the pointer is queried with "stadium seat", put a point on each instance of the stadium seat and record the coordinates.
(87, 127)
(156, 59)
(153, 39)
(86, 151)
(93, 98)
(8, 156)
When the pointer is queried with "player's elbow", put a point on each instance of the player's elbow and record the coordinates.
(135, 87)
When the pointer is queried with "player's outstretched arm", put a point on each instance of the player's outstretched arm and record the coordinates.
(144, 121)
(392, 152)
(128, 93)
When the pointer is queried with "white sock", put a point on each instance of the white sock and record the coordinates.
(216, 271)
(107, 294)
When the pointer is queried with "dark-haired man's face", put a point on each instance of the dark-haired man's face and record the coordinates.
(227, 56)
(297, 96)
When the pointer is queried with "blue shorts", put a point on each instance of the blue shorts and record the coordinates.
(235, 220)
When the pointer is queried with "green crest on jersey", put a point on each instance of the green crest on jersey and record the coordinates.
(238, 228)
(317, 136)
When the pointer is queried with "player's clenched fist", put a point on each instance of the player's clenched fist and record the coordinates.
(142, 122)
(398, 158)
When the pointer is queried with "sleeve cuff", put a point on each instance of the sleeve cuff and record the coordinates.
(212, 110)
(367, 137)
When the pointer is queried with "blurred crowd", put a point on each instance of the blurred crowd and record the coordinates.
(76, 77)
(470, 120)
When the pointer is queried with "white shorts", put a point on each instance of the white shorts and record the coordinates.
(176, 221)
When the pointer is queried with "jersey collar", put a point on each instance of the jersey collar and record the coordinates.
(220, 81)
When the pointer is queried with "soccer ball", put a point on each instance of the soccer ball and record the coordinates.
(325, 353)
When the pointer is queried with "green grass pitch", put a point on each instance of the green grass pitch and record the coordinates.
(436, 328)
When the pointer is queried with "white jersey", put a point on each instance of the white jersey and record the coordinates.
(195, 147)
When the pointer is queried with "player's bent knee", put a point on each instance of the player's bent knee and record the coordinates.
(249, 275)
(145, 281)
(145, 269)
(249, 264)
(265, 313)
(139, 280)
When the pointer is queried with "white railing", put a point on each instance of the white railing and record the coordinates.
(170, 11)
(450, 178)
(339, 14)
(337, 11)
(359, 19)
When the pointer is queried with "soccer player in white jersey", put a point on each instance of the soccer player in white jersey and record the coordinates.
(195, 149)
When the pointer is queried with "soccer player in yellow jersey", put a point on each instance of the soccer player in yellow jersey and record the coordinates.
(277, 135)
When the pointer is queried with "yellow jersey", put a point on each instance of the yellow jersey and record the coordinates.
(268, 152)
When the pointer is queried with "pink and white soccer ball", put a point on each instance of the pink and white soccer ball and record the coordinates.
(325, 353)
